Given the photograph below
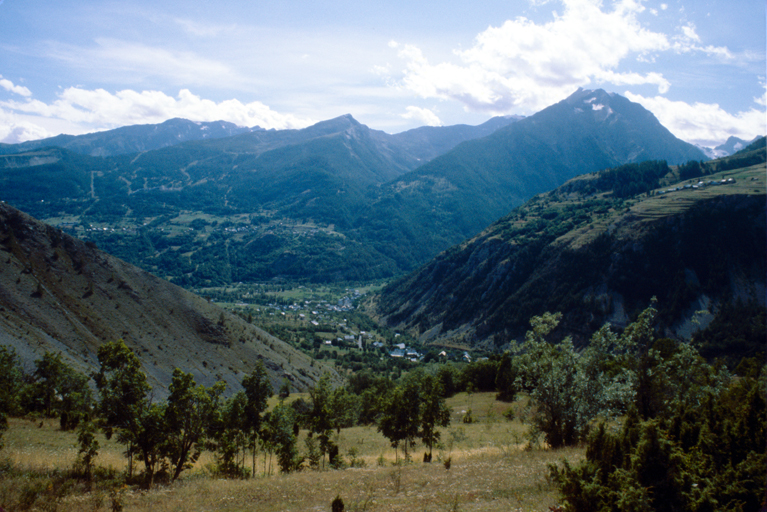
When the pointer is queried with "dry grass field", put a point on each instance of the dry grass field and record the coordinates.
(490, 469)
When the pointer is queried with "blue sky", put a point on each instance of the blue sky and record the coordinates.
(82, 66)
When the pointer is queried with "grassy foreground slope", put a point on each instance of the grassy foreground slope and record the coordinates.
(490, 470)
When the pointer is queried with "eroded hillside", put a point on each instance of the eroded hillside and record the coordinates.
(60, 294)
(598, 249)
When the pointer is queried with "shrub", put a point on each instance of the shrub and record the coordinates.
(706, 456)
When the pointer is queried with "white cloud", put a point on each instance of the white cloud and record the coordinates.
(690, 33)
(687, 42)
(96, 110)
(423, 115)
(523, 66)
(16, 89)
(705, 124)
(762, 100)
(14, 130)
(384, 71)
(634, 79)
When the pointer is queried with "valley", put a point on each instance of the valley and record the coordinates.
(337, 206)
(533, 302)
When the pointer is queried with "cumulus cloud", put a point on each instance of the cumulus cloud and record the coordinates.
(16, 89)
(95, 110)
(525, 66)
(424, 115)
(705, 124)
(14, 130)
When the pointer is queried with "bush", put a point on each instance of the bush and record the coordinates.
(338, 504)
(709, 456)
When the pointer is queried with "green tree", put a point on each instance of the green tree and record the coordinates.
(279, 424)
(321, 415)
(59, 390)
(190, 410)
(549, 373)
(11, 382)
(400, 414)
(345, 407)
(229, 430)
(150, 436)
(449, 377)
(568, 388)
(50, 373)
(76, 401)
(258, 389)
(708, 455)
(434, 413)
(505, 379)
(284, 389)
(125, 408)
(87, 449)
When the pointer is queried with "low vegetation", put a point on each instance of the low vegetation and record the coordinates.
(662, 430)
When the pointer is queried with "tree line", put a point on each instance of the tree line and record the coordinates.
(169, 436)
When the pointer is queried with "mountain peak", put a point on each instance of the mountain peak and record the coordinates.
(587, 94)
(335, 125)
(585, 99)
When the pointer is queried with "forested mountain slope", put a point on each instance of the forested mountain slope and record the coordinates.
(60, 294)
(463, 191)
(598, 249)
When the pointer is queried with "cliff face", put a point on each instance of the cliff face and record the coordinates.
(596, 258)
(60, 294)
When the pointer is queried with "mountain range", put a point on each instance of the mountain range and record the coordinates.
(731, 146)
(336, 201)
(133, 139)
(609, 212)
(461, 192)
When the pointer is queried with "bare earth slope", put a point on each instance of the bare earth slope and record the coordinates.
(58, 293)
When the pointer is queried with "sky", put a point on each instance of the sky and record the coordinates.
(83, 66)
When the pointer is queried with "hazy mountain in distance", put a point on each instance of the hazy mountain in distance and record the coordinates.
(133, 139)
(428, 142)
